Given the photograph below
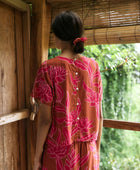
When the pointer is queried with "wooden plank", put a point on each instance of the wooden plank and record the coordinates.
(26, 51)
(1, 128)
(118, 124)
(1, 104)
(18, 4)
(26, 44)
(1, 89)
(58, 1)
(11, 146)
(53, 1)
(20, 90)
(9, 87)
(19, 60)
(45, 30)
(41, 22)
(14, 116)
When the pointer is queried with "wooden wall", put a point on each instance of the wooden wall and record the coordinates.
(12, 89)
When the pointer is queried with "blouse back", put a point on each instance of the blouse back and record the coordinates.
(73, 88)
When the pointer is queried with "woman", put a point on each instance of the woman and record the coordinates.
(70, 92)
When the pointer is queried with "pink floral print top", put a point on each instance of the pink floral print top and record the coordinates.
(73, 88)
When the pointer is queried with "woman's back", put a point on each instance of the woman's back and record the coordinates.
(73, 88)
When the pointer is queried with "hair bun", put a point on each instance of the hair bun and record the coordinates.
(78, 47)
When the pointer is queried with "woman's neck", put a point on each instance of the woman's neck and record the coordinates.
(69, 54)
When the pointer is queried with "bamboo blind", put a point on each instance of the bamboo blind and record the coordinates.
(105, 21)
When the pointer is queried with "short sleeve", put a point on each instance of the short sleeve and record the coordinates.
(97, 81)
(100, 87)
(42, 88)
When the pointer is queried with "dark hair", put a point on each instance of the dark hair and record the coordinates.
(68, 26)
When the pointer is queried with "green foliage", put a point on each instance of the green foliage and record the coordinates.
(120, 71)
(53, 52)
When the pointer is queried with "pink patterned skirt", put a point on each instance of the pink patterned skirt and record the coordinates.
(77, 156)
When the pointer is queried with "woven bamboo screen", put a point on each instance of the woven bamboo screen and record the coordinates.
(105, 21)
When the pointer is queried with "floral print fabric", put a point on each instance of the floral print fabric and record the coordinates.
(77, 156)
(73, 88)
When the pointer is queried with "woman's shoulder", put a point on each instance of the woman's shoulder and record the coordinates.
(94, 61)
(51, 61)
(90, 60)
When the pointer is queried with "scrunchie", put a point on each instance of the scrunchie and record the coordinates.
(83, 39)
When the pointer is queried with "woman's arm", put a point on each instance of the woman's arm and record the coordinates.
(100, 127)
(44, 123)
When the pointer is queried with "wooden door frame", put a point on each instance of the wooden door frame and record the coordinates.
(25, 9)
(24, 50)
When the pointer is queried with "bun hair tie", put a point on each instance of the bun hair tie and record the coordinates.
(82, 39)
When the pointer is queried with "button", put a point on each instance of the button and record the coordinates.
(77, 104)
(77, 88)
(76, 73)
(78, 118)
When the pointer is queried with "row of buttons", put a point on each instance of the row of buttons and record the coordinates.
(76, 73)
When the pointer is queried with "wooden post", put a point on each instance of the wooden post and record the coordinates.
(40, 33)
(20, 88)
(9, 145)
